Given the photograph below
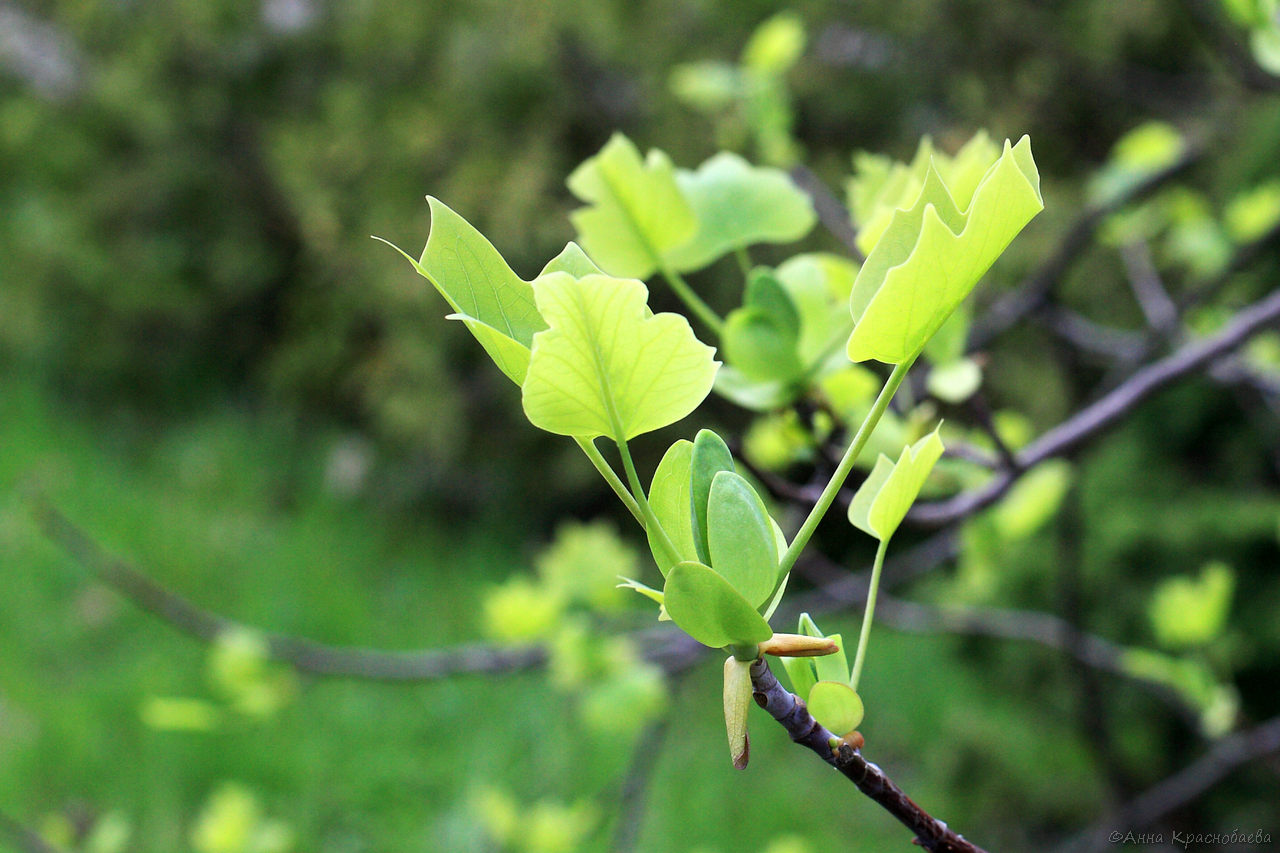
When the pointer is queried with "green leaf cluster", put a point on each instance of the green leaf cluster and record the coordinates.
(823, 682)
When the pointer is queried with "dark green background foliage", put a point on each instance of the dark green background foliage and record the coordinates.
(196, 335)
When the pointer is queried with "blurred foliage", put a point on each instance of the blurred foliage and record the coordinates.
(209, 364)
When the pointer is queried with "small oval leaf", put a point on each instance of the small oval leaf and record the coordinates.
(836, 706)
(669, 499)
(740, 538)
(710, 456)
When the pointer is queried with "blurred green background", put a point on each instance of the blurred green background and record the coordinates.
(210, 366)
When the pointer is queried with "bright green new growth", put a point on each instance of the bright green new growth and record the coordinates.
(836, 705)
(761, 338)
(931, 256)
(1188, 612)
(740, 538)
(709, 609)
(737, 205)
(710, 456)
(604, 368)
(637, 213)
(669, 500)
(883, 499)
(823, 683)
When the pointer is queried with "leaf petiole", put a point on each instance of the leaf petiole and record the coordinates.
(649, 519)
(868, 615)
(611, 477)
(692, 301)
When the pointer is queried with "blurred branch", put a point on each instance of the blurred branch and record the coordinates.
(1225, 40)
(790, 712)
(1105, 412)
(1183, 787)
(1035, 290)
(40, 53)
(832, 213)
(1148, 288)
(633, 796)
(23, 839)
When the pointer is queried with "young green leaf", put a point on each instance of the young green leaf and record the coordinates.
(882, 501)
(760, 338)
(604, 368)
(669, 497)
(737, 205)
(709, 609)
(636, 211)
(740, 538)
(802, 675)
(931, 256)
(572, 260)
(495, 304)
(833, 667)
(836, 706)
(710, 456)
(737, 699)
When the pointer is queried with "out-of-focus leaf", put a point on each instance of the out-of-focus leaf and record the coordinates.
(776, 44)
(1033, 500)
(955, 381)
(1187, 612)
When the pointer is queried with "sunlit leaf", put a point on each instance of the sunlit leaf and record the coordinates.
(882, 501)
(572, 260)
(740, 538)
(636, 211)
(709, 609)
(670, 499)
(604, 368)
(932, 256)
(737, 205)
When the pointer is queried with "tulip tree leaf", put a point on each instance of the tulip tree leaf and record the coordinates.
(709, 609)
(737, 205)
(882, 501)
(836, 706)
(572, 260)
(757, 395)
(760, 338)
(604, 368)
(636, 212)
(669, 498)
(931, 256)
(494, 303)
(740, 538)
(710, 456)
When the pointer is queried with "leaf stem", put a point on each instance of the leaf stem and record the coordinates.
(611, 477)
(709, 318)
(829, 493)
(651, 523)
(865, 634)
(743, 257)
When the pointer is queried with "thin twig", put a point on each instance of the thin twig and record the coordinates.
(1104, 413)
(833, 215)
(790, 712)
(1035, 291)
(1223, 758)
(633, 796)
(1148, 288)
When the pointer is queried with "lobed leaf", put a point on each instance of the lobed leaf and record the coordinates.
(883, 499)
(737, 205)
(709, 609)
(636, 213)
(931, 256)
(572, 260)
(605, 368)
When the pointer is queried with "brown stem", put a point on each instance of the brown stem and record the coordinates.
(791, 713)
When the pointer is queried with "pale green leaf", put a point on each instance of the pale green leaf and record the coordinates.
(757, 395)
(491, 300)
(759, 347)
(819, 287)
(800, 671)
(636, 212)
(669, 497)
(882, 501)
(709, 609)
(1033, 500)
(775, 45)
(710, 456)
(835, 705)
(737, 205)
(737, 699)
(740, 538)
(604, 368)
(932, 256)
(648, 592)
(955, 381)
(833, 667)
(572, 260)
(1187, 612)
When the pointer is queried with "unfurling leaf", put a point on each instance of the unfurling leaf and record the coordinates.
(737, 205)
(931, 256)
(709, 609)
(882, 501)
(836, 705)
(604, 367)
(669, 499)
(494, 303)
(636, 212)
(737, 700)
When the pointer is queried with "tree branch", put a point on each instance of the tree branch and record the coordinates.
(1106, 411)
(790, 712)
(833, 215)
